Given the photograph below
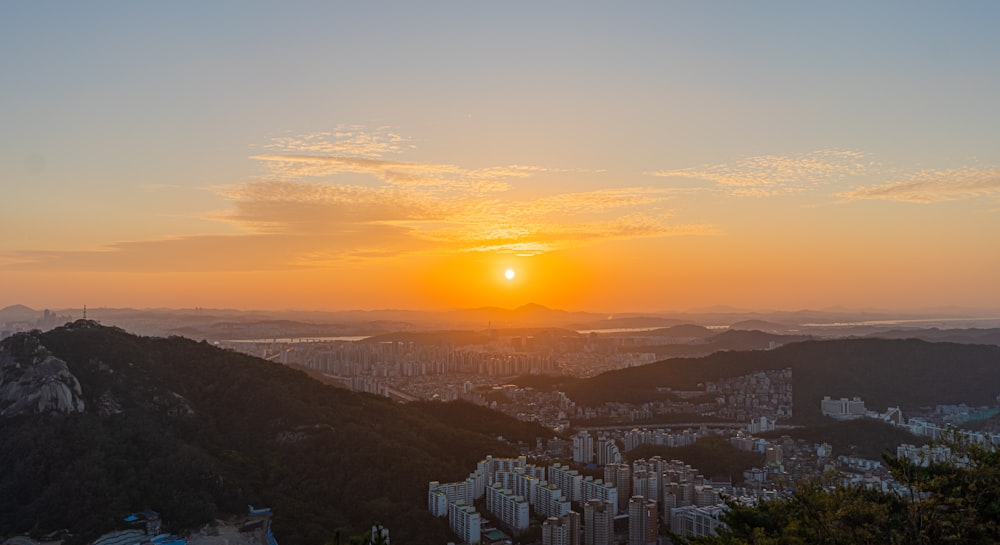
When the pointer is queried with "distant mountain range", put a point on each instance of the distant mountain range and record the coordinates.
(224, 324)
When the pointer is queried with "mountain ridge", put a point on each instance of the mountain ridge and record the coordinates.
(195, 432)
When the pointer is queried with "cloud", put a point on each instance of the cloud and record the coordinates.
(351, 140)
(546, 238)
(931, 186)
(313, 208)
(773, 174)
(224, 253)
(427, 176)
(307, 211)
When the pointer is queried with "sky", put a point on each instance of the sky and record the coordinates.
(615, 156)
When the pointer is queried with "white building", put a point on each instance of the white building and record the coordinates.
(465, 522)
(583, 448)
(843, 408)
(568, 480)
(463, 491)
(550, 501)
(508, 507)
(692, 520)
(521, 483)
(607, 451)
(591, 489)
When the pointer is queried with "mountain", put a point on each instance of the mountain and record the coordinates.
(933, 334)
(195, 432)
(731, 339)
(909, 373)
(18, 313)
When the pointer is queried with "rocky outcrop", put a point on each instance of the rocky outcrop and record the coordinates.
(33, 381)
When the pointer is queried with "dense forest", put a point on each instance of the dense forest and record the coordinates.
(195, 433)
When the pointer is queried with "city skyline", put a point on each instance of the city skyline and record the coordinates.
(648, 157)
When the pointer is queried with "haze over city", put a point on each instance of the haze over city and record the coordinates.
(639, 157)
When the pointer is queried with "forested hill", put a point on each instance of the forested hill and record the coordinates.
(907, 372)
(195, 432)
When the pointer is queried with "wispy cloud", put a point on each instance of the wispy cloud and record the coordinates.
(930, 186)
(224, 253)
(307, 211)
(566, 220)
(428, 176)
(351, 140)
(313, 208)
(772, 174)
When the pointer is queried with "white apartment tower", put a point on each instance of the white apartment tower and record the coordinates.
(465, 522)
(583, 448)
(568, 480)
(591, 489)
(511, 509)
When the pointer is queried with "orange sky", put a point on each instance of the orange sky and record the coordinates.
(667, 158)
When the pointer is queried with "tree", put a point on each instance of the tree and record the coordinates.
(955, 502)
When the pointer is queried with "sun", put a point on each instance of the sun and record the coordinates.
(509, 274)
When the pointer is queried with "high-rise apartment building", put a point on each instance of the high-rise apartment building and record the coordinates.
(591, 489)
(568, 480)
(642, 521)
(550, 501)
(599, 523)
(620, 475)
(508, 507)
(465, 522)
(564, 530)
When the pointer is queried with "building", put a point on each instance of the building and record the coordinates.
(568, 480)
(591, 489)
(465, 522)
(509, 508)
(692, 520)
(620, 475)
(843, 408)
(583, 448)
(773, 456)
(646, 483)
(489, 466)
(599, 523)
(926, 454)
(550, 501)
(440, 495)
(707, 495)
(607, 451)
(564, 530)
(642, 521)
(520, 482)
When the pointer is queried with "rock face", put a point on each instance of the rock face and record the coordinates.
(33, 381)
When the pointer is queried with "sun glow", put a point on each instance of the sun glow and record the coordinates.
(509, 274)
